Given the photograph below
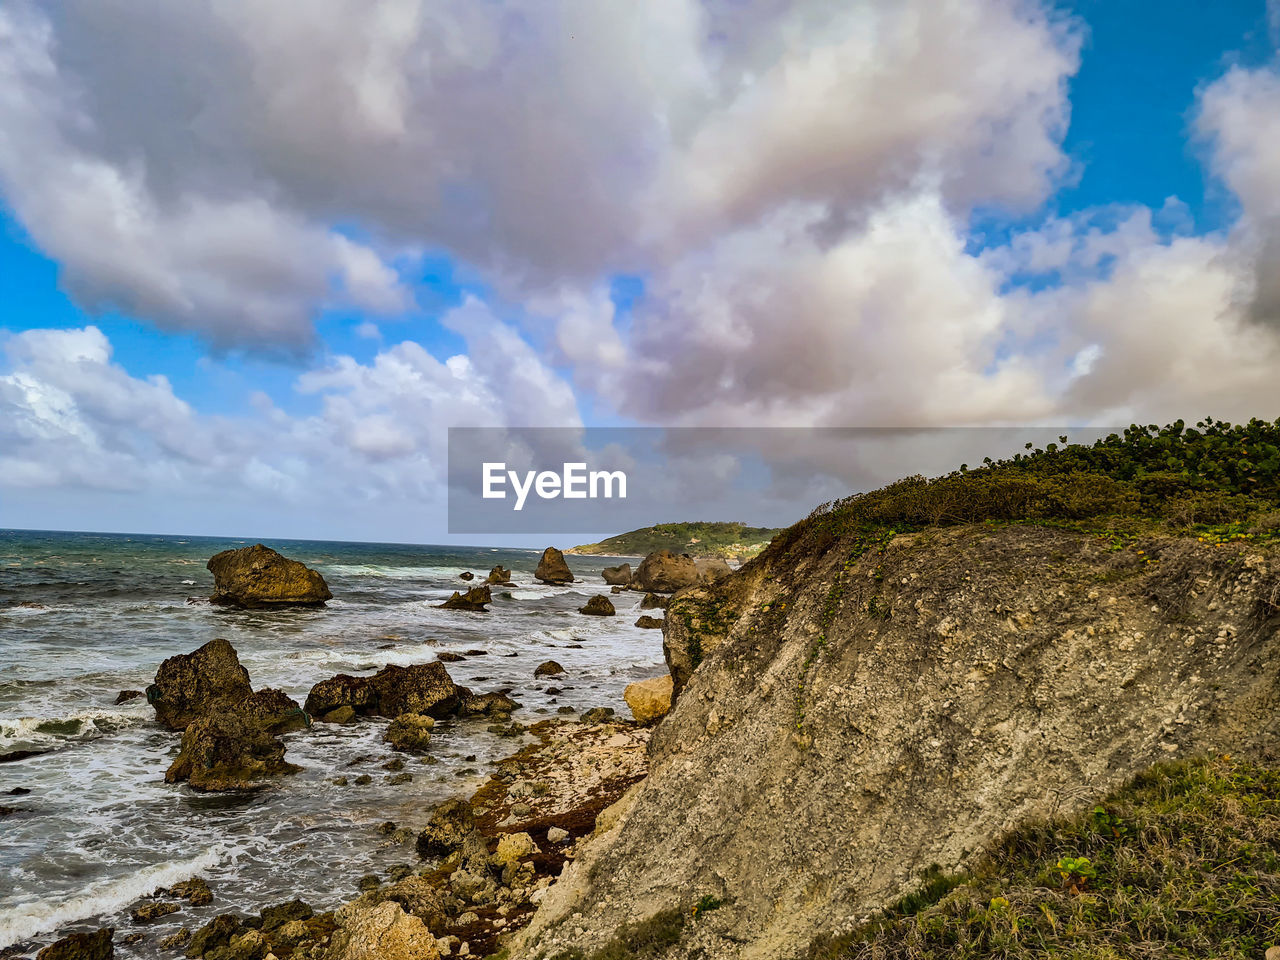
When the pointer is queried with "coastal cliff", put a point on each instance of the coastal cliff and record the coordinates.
(862, 707)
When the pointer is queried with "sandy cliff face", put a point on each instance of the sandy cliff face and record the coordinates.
(849, 716)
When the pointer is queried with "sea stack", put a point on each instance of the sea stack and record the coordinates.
(552, 568)
(257, 577)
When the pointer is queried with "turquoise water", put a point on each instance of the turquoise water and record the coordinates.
(84, 616)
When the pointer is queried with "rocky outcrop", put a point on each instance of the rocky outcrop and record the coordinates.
(853, 710)
(712, 569)
(274, 711)
(450, 826)
(650, 623)
(380, 932)
(598, 606)
(81, 946)
(552, 568)
(487, 705)
(665, 572)
(500, 576)
(422, 688)
(474, 600)
(650, 699)
(617, 576)
(257, 576)
(228, 751)
(191, 685)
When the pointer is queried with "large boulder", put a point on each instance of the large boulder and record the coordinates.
(473, 600)
(486, 704)
(81, 946)
(617, 576)
(712, 569)
(598, 606)
(665, 572)
(422, 688)
(499, 576)
(257, 576)
(380, 932)
(228, 751)
(192, 685)
(552, 568)
(650, 699)
(451, 824)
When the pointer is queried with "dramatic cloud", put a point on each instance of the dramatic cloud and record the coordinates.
(188, 162)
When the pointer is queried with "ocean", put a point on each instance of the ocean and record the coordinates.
(84, 616)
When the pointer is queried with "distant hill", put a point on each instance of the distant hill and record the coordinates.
(731, 541)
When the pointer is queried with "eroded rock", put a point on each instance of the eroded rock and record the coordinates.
(258, 576)
(393, 690)
(191, 685)
(665, 572)
(598, 606)
(552, 568)
(650, 699)
(619, 575)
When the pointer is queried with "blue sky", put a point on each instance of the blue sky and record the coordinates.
(671, 242)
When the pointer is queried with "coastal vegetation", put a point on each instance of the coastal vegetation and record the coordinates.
(1216, 478)
(727, 541)
(1183, 861)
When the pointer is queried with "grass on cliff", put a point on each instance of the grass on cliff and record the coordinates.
(1183, 862)
(729, 541)
(1212, 476)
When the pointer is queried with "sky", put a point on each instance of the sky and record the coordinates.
(255, 259)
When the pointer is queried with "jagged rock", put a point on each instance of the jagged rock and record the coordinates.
(665, 572)
(467, 575)
(380, 932)
(191, 685)
(598, 715)
(649, 623)
(410, 732)
(257, 576)
(617, 590)
(282, 913)
(177, 940)
(514, 847)
(712, 569)
(216, 933)
(859, 711)
(451, 823)
(619, 575)
(126, 695)
(420, 898)
(486, 704)
(98, 945)
(228, 751)
(195, 891)
(151, 912)
(548, 669)
(473, 600)
(393, 690)
(447, 656)
(651, 601)
(598, 606)
(650, 699)
(250, 945)
(552, 568)
(500, 576)
(274, 711)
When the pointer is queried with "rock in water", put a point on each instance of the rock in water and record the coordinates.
(257, 576)
(274, 711)
(552, 568)
(410, 732)
(598, 606)
(649, 623)
(380, 932)
(82, 946)
(712, 569)
(664, 572)
(452, 823)
(191, 685)
(548, 669)
(126, 695)
(473, 600)
(649, 700)
(393, 690)
(500, 576)
(617, 576)
(652, 601)
(486, 704)
(857, 715)
(466, 575)
(228, 751)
